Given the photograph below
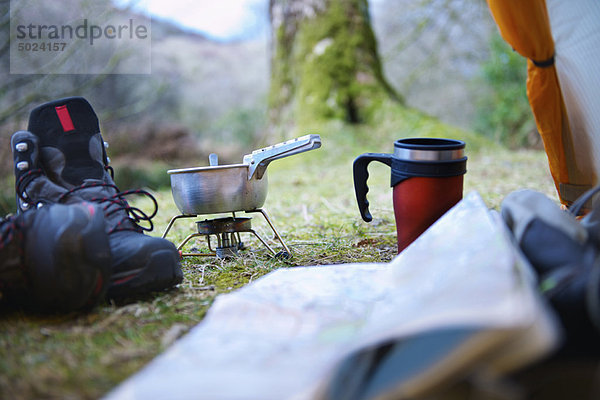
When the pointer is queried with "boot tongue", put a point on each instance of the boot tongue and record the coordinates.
(68, 125)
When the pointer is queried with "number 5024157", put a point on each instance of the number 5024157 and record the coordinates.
(43, 46)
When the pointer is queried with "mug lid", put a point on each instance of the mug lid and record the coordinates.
(429, 149)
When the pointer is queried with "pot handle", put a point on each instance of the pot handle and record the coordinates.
(259, 159)
(361, 174)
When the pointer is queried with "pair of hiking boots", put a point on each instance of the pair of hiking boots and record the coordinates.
(75, 239)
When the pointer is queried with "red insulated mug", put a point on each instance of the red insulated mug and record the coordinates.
(427, 180)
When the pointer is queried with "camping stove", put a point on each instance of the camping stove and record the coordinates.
(224, 189)
(227, 232)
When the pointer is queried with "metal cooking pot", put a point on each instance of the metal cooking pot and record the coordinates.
(236, 187)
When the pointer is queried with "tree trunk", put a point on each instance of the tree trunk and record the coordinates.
(324, 63)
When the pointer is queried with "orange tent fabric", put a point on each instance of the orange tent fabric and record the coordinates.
(526, 27)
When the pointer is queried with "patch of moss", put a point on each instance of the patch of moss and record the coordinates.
(326, 66)
(342, 78)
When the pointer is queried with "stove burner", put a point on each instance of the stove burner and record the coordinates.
(227, 231)
(224, 225)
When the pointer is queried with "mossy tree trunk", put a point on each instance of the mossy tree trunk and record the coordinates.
(324, 62)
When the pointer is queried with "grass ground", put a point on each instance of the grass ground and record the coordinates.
(311, 202)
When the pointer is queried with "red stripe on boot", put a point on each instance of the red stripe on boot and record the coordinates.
(65, 118)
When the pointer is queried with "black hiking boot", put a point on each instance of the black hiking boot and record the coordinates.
(74, 167)
(565, 253)
(55, 258)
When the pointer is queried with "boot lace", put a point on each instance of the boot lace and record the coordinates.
(117, 202)
(24, 180)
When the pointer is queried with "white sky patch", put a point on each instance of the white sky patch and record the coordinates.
(221, 19)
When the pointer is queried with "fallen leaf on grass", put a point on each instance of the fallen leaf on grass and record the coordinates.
(365, 243)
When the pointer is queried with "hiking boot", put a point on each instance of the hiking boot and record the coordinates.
(566, 257)
(55, 258)
(74, 166)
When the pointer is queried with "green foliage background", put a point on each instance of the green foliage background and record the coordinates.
(503, 113)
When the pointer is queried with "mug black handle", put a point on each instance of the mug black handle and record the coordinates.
(361, 174)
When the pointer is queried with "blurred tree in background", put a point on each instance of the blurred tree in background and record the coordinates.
(324, 62)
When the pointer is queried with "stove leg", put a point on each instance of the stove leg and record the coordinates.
(172, 221)
(264, 213)
(240, 244)
(263, 242)
(187, 239)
